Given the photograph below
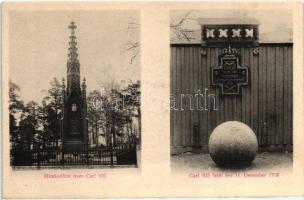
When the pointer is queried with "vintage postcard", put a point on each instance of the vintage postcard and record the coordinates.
(152, 99)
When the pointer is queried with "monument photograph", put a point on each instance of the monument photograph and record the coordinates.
(74, 88)
(231, 90)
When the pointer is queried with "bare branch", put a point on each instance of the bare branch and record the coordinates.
(134, 56)
(179, 30)
(132, 46)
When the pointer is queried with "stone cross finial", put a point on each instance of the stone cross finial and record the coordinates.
(72, 49)
(72, 26)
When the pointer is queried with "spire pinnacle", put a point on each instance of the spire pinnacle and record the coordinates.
(72, 26)
(73, 55)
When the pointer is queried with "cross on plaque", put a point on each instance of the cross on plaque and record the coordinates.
(229, 75)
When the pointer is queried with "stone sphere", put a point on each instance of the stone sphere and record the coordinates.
(233, 144)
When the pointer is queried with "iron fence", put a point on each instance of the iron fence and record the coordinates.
(120, 154)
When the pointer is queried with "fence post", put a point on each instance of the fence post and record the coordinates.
(38, 157)
(62, 153)
(135, 152)
(87, 149)
(111, 152)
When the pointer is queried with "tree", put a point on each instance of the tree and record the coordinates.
(131, 95)
(95, 114)
(110, 102)
(177, 28)
(14, 136)
(54, 96)
(15, 108)
(116, 114)
(15, 104)
(111, 111)
(29, 124)
(132, 45)
(51, 126)
(25, 135)
(52, 109)
(120, 104)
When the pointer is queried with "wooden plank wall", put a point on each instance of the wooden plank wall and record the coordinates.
(265, 104)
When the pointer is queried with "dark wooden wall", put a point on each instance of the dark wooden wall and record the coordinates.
(265, 104)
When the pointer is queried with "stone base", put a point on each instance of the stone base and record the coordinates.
(74, 146)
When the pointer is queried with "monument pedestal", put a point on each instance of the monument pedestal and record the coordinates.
(75, 146)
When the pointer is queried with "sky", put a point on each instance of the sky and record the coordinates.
(39, 42)
(275, 25)
(38, 48)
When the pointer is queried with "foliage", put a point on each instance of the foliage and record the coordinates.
(109, 112)
(112, 111)
(52, 110)
(95, 117)
(15, 106)
(29, 124)
(32, 125)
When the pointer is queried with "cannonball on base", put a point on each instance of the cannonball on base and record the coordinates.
(233, 144)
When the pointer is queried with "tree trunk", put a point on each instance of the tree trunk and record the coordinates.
(114, 134)
(96, 131)
(92, 131)
(139, 126)
(57, 122)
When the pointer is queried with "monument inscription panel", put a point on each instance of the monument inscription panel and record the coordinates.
(229, 76)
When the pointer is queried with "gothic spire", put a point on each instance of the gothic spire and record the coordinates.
(73, 55)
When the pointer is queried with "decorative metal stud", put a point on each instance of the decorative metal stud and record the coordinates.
(249, 33)
(223, 33)
(256, 51)
(210, 33)
(204, 52)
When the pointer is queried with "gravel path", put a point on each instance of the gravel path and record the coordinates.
(268, 162)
